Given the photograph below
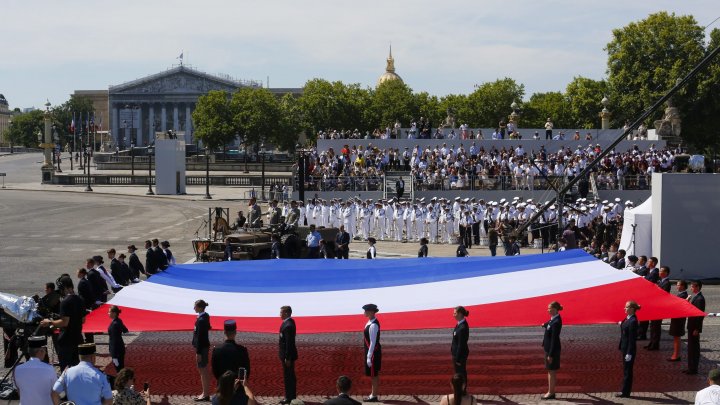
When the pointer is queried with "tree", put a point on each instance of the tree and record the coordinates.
(584, 96)
(213, 120)
(701, 124)
(542, 106)
(321, 107)
(290, 122)
(458, 104)
(429, 108)
(393, 100)
(490, 102)
(257, 116)
(646, 58)
(25, 127)
(62, 117)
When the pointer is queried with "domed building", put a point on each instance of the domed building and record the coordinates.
(389, 71)
(5, 115)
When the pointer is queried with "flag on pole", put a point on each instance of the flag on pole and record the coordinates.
(411, 293)
(181, 57)
(72, 124)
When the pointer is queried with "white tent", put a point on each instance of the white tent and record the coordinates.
(636, 236)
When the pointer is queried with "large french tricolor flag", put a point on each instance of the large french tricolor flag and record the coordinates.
(327, 295)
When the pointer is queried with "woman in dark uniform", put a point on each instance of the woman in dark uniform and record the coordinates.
(677, 325)
(628, 346)
(116, 343)
(459, 348)
(423, 252)
(551, 346)
(373, 350)
(201, 343)
(371, 252)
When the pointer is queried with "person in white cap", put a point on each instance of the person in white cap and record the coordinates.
(431, 223)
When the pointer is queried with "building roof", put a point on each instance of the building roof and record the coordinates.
(3, 101)
(227, 80)
(389, 71)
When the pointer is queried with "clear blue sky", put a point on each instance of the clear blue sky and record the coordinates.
(51, 48)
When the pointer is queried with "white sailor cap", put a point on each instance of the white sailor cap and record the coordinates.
(466, 200)
(457, 198)
(552, 207)
(604, 202)
(502, 201)
(617, 199)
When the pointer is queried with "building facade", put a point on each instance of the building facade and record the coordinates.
(100, 102)
(5, 119)
(164, 101)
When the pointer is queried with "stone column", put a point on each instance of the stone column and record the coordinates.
(115, 125)
(138, 134)
(605, 114)
(151, 123)
(176, 118)
(188, 125)
(163, 118)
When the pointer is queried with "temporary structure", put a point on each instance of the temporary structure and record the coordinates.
(636, 236)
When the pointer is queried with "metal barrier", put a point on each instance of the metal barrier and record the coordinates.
(483, 182)
(126, 180)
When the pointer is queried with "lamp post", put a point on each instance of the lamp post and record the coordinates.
(132, 159)
(262, 176)
(56, 151)
(246, 160)
(207, 175)
(150, 190)
(10, 122)
(301, 172)
(87, 153)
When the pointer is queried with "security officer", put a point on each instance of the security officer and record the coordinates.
(34, 379)
(288, 353)
(72, 312)
(373, 350)
(84, 383)
(230, 356)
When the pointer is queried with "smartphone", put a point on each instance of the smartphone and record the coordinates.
(146, 386)
(242, 374)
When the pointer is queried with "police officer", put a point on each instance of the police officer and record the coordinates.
(373, 350)
(288, 353)
(84, 383)
(230, 356)
(34, 379)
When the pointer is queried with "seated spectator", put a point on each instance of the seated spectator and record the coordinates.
(124, 392)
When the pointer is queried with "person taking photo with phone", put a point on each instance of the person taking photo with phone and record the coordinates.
(233, 391)
(125, 394)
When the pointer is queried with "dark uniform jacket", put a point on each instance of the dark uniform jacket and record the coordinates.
(230, 356)
(160, 258)
(343, 238)
(459, 348)
(135, 264)
(342, 399)
(628, 336)
(85, 291)
(665, 284)
(99, 285)
(696, 322)
(151, 266)
(201, 338)
(115, 331)
(551, 338)
(286, 344)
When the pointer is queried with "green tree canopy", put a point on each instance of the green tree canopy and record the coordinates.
(701, 124)
(584, 98)
(393, 101)
(257, 116)
(62, 116)
(645, 60)
(490, 102)
(25, 127)
(542, 106)
(213, 119)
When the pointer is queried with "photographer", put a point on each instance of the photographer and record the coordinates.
(72, 312)
(50, 302)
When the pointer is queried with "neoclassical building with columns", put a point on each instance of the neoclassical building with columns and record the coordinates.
(165, 101)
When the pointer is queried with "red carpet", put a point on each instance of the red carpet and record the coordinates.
(502, 361)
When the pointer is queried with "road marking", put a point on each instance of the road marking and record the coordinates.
(99, 250)
(12, 247)
(19, 235)
(112, 237)
(75, 237)
(56, 249)
(76, 250)
(35, 236)
(55, 236)
(33, 248)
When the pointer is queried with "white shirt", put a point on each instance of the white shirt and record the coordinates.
(708, 396)
(373, 332)
(35, 379)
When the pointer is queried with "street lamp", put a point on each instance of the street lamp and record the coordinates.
(10, 122)
(246, 160)
(57, 150)
(262, 178)
(301, 172)
(132, 159)
(207, 175)
(87, 153)
(53, 139)
(150, 190)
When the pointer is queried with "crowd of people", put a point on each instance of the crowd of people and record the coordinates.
(467, 166)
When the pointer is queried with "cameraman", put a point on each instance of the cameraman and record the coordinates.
(51, 300)
(72, 312)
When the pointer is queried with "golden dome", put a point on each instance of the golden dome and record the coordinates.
(389, 71)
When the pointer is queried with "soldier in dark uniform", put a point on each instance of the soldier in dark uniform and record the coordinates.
(151, 266)
(373, 350)
(677, 325)
(694, 328)
(656, 324)
(551, 346)
(136, 267)
(288, 353)
(230, 356)
(628, 347)
(160, 258)
(201, 343)
(116, 344)
(459, 347)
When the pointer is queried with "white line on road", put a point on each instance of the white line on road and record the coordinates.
(33, 248)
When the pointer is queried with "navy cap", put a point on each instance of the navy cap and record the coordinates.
(230, 325)
(35, 342)
(86, 349)
(370, 307)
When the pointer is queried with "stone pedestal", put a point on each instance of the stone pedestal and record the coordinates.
(605, 119)
(47, 174)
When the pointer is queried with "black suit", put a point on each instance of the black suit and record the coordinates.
(628, 346)
(230, 356)
(201, 338)
(116, 343)
(136, 267)
(85, 291)
(342, 242)
(459, 348)
(288, 352)
(656, 325)
(400, 188)
(342, 399)
(695, 323)
(160, 258)
(151, 266)
(120, 272)
(99, 285)
(551, 342)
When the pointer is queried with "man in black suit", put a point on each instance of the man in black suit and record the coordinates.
(136, 267)
(343, 385)
(288, 353)
(160, 258)
(694, 328)
(459, 347)
(119, 273)
(100, 287)
(151, 266)
(646, 270)
(342, 241)
(400, 187)
(85, 290)
(656, 324)
(230, 356)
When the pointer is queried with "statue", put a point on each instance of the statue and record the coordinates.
(670, 125)
(450, 119)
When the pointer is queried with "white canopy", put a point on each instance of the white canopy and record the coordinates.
(636, 236)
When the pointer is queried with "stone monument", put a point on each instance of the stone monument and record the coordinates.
(669, 127)
(450, 119)
(605, 114)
